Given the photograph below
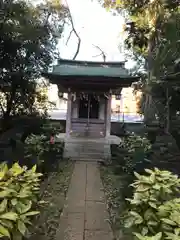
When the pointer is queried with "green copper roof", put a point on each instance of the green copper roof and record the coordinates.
(81, 68)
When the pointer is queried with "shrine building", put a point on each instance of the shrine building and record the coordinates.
(90, 86)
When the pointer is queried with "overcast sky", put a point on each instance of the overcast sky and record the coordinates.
(95, 26)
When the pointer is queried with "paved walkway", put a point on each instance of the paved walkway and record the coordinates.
(84, 215)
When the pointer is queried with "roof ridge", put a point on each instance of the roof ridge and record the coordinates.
(80, 62)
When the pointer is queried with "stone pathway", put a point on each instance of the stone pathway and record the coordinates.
(84, 215)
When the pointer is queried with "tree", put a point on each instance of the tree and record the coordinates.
(153, 28)
(28, 38)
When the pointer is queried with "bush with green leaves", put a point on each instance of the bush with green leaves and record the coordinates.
(133, 142)
(34, 144)
(51, 128)
(38, 146)
(19, 189)
(154, 208)
(132, 152)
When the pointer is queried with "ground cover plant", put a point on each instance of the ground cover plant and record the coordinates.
(154, 211)
(144, 206)
(19, 189)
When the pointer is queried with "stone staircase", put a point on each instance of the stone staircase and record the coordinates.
(91, 150)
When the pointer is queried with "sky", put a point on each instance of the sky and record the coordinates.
(95, 26)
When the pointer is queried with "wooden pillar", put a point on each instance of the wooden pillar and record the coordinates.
(68, 116)
(108, 116)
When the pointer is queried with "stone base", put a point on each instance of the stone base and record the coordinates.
(95, 149)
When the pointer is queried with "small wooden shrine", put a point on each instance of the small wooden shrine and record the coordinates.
(90, 86)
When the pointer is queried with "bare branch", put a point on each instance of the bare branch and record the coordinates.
(69, 36)
(75, 32)
(97, 55)
(102, 53)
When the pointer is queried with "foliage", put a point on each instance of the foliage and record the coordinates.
(49, 128)
(133, 142)
(152, 33)
(34, 145)
(132, 153)
(38, 146)
(154, 209)
(53, 190)
(154, 22)
(19, 188)
(116, 191)
(28, 39)
(40, 104)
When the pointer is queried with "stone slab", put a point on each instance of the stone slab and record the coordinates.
(94, 189)
(78, 183)
(98, 235)
(84, 215)
(78, 206)
(96, 216)
(75, 201)
(71, 227)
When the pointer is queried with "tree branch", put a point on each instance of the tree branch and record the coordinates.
(102, 53)
(75, 32)
(97, 55)
(69, 36)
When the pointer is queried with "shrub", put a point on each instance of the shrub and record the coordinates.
(35, 145)
(169, 214)
(133, 142)
(19, 188)
(49, 128)
(39, 147)
(40, 126)
(154, 210)
(131, 154)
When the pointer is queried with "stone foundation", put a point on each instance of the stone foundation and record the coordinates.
(96, 149)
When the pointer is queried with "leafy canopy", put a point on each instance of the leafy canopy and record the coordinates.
(28, 40)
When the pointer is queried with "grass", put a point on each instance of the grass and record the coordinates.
(53, 191)
(114, 186)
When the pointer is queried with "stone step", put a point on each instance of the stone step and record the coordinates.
(90, 148)
(87, 150)
(90, 155)
(90, 152)
(87, 159)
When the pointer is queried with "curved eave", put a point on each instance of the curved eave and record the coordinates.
(88, 81)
